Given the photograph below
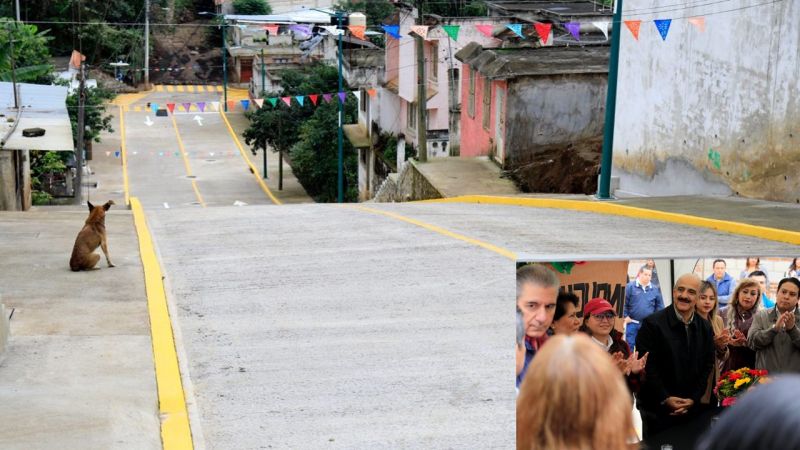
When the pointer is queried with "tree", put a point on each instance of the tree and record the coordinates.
(376, 10)
(31, 57)
(94, 116)
(308, 134)
(251, 7)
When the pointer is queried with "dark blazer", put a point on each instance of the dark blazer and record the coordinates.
(681, 358)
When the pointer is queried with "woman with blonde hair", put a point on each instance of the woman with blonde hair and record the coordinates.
(738, 317)
(706, 307)
(573, 398)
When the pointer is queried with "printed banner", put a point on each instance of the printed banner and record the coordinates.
(593, 279)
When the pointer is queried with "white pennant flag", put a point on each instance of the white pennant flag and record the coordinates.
(215, 105)
(108, 153)
(358, 95)
(259, 102)
(333, 30)
(603, 26)
(420, 30)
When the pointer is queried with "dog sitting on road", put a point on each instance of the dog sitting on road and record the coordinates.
(92, 235)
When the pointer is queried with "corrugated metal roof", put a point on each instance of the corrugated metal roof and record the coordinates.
(543, 61)
(43, 106)
(299, 16)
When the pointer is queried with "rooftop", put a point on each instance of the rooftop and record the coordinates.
(550, 8)
(42, 106)
(501, 64)
(298, 16)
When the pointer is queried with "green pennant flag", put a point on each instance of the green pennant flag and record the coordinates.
(273, 101)
(452, 31)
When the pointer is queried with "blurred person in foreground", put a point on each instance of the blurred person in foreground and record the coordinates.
(574, 398)
(537, 291)
(765, 418)
(774, 334)
(681, 357)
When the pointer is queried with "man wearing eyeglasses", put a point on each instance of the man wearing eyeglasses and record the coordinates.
(681, 356)
(774, 334)
(642, 298)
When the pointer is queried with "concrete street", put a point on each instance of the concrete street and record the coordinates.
(298, 326)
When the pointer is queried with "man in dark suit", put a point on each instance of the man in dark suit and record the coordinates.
(681, 347)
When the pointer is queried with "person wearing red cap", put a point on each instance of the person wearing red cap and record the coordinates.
(598, 322)
(681, 348)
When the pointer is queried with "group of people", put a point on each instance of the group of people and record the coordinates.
(669, 359)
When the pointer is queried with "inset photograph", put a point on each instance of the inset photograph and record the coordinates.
(655, 352)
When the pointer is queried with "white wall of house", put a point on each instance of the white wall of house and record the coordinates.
(282, 6)
(713, 112)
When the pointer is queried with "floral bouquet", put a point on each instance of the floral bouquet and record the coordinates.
(734, 382)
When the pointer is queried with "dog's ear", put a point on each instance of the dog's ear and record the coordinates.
(108, 205)
(91, 206)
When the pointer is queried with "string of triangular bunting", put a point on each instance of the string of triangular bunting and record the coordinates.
(246, 103)
(543, 30)
(175, 154)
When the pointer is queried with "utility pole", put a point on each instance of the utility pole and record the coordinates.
(262, 90)
(340, 179)
(604, 186)
(422, 99)
(280, 153)
(79, 149)
(224, 68)
(147, 44)
(18, 20)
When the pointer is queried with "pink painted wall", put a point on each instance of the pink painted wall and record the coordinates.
(475, 139)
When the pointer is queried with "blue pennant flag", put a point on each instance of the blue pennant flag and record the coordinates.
(516, 28)
(245, 104)
(299, 99)
(392, 30)
(154, 106)
(663, 27)
(116, 154)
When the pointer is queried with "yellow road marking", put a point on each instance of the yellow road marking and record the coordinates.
(186, 161)
(159, 88)
(129, 99)
(772, 234)
(253, 168)
(170, 88)
(124, 150)
(175, 431)
(499, 250)
(219, 88)
(180, 88)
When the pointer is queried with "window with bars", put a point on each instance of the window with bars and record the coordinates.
(411, 118)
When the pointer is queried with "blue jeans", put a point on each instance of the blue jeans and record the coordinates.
(631, 330)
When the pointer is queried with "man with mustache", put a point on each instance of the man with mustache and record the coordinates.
(681, 347)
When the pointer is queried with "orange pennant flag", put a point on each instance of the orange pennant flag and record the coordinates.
(358, 31)
(231, 104)
(634, 25)
(372, 92)
(543, 30)
(699, 23)
(76, 59)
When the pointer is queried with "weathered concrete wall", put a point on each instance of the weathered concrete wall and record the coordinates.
(726, 102)
(408, 186)
(550, 111)
(390, 119)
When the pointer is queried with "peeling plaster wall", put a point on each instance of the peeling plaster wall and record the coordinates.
(725, 102)
(553, 110)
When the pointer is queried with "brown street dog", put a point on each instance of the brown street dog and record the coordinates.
(92, 235)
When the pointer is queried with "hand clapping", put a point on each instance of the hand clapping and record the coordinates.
(636, 364)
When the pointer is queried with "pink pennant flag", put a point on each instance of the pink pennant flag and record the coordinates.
(201, 106)
(543, 30)
(420, 30)
(372, 92)
(186, 106)
(699, 23)
(327, 97)
(313, 98)
(259, 102)
(271, 29)
(287, 100)
(485, 29)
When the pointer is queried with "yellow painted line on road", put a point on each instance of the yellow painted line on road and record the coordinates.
(175, 430)
(124, 150)
(170, 88)
(186, 162)
(772, 234)
(253, 168)
(129, 99)
(499, 250)
(159, 88)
